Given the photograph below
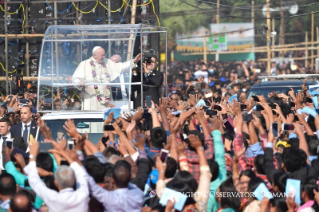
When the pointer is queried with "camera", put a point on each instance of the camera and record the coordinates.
(147, 58)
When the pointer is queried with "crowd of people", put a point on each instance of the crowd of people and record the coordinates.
(193, 152)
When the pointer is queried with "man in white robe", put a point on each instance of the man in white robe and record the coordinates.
(105, 70)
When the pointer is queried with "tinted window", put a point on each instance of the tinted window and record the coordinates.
(266, 90)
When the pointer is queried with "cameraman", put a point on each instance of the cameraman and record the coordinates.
(152, 81)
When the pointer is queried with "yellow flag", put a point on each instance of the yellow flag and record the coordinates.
(31, 140)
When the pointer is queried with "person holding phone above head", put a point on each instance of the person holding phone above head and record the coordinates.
(152, 81)
(98, 69)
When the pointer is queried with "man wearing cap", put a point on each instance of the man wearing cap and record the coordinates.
(97, 69)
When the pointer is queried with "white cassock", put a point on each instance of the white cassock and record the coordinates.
(84, 73)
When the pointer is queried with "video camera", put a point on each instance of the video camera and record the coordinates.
(147, 58)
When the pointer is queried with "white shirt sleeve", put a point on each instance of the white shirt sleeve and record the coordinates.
(36, 184)
(80, 175)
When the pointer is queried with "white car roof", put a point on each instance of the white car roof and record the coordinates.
(72, 115)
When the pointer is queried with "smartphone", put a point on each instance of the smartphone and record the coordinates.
(148, 101)
(208, 95)
(256, 99)
(259, 108)
(248, 118)
(108, 128)
(164, 155)
(211, 112)
(70, 145)
(9, 143)
(11, 110)
(48, 101)
(288, 127)
(24, 101)
(217, 107)
(104, 140)
(275, 129)
(64, 162)
(243, 107)
(224, 116)
(44, 147)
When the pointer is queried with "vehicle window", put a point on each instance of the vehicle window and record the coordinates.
(94, 128)
(265, 91)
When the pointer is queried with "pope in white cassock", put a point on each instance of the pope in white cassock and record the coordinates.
(97, 69)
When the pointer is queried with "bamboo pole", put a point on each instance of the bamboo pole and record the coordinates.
(312, 36)
(268, 38)
(131, 36)
(253, 12)
(306, 53)
(273, 40)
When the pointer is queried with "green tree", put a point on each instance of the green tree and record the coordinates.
(181, 23)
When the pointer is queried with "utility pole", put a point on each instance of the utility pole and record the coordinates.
(282, 27)
(217, 22)
(268, 39)
(253, 12)
(312, 36)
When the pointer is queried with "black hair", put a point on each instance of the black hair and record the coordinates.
(280, 180)
(254, 183)
(185, 189)
(45, 161)
(229, 201)
(109, 151)
(259, 164)
(109, 167)
(184, 177)
(8, 185)
(49, 182)
(200, 136)
(285, 108)
(214, 168)
(313, 146)
(294, 143)
(279, 203)
(6, 120)
(122, 174)
(18, 207)
(308, 186)
(158, 137)
(293, 159)
(171, 167)
(249, 173)
(96, 170)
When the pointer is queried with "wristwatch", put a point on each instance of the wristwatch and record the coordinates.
(32, 156)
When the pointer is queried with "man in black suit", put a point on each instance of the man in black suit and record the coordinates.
(152, 81)
(19, 145)
(26, 127)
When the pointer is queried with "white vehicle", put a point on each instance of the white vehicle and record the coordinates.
(64, 49)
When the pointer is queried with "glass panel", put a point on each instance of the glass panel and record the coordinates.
(265, 91)
(86, 67)
(94, 128)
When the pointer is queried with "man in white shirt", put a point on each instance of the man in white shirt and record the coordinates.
(97, 69)
(67, 199)
(202, 72)
(125, 196)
